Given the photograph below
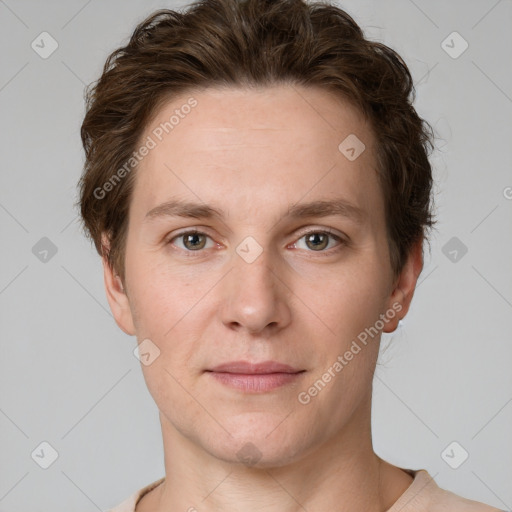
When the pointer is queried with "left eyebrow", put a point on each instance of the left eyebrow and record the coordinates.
(336, 207)
(321, 208)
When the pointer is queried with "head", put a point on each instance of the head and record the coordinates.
(277, 119)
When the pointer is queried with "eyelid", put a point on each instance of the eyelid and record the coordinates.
(320, 229)
(187, 231)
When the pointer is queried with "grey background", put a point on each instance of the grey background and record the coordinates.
(68, 374)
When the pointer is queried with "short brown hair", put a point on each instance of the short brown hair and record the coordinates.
(246, 43)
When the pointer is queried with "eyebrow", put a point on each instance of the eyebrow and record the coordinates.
(321, 208)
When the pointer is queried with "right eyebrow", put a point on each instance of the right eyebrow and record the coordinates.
(178, 208)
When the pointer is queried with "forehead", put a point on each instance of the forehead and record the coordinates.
(231, 111)
(275, 143)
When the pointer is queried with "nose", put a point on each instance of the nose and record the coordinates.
(255, 295)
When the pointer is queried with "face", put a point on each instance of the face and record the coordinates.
(250, 270)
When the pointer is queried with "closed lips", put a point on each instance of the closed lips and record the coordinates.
(246, 368)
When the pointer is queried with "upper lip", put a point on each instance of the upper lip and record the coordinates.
(245, 367)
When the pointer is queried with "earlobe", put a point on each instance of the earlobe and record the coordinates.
(117, 297)
(405, 285)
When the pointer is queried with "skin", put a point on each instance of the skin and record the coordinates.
(252, 153)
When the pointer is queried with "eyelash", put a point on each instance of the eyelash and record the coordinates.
(326, 231)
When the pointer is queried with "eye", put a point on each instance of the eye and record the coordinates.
(315, 240)
(192, 240)
(318, 240)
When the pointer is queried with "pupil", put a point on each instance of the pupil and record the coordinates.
(190, 240)
(310, 239)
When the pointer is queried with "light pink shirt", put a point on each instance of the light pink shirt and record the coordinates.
(423, 495)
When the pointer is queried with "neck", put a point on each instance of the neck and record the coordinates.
(342, 474)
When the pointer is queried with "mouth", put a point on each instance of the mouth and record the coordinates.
(255, 377)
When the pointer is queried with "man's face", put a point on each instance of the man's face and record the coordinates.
(253, 286)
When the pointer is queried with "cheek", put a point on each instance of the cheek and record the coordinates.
(171, 309)
(168, 310)
(349, 308)
(160, 296)
(349, 302)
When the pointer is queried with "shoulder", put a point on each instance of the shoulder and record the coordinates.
(129, 504)
(424, 495)
(448, 501)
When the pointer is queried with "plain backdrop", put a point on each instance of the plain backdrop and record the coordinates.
(68, 375)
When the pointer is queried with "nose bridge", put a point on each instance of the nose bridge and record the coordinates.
(254, 298)
(254, 269)
(254, 265)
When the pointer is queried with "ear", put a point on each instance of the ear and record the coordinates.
(404, 286)
(116, 294)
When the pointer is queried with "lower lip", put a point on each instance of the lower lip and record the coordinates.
(255, 383)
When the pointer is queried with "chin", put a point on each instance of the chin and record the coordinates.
(256, 456)
(260, 445)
